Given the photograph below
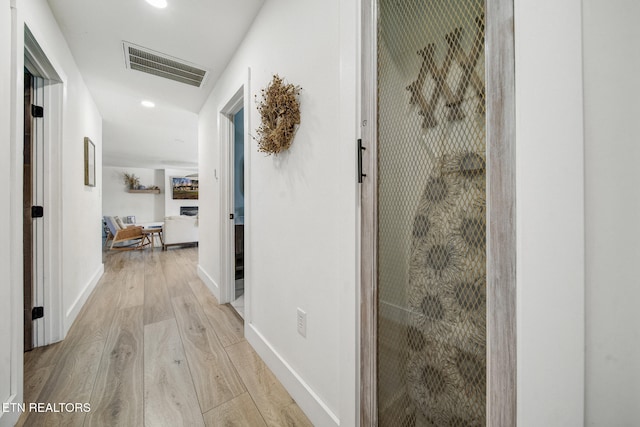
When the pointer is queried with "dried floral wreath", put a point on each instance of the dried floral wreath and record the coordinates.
(279, 109)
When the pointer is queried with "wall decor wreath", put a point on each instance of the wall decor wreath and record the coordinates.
(279, 110)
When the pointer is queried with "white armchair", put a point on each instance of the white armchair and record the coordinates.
(179, 230)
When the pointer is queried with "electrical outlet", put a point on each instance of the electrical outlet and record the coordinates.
(302, 322)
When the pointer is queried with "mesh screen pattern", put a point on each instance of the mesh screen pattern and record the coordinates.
(431, 213)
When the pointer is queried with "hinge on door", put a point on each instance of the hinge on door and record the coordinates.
(37, 111)
(37, 211)
(360, 150)
(231, 216)
(37, 313)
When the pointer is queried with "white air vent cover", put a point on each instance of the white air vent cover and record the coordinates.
(148, 61)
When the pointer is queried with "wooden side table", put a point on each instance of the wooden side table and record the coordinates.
(150, 234)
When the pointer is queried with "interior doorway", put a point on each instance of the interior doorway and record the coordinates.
(234, 208)
(238, 211)
(42, 222)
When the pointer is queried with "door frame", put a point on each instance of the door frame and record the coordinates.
(36, 60)
(501, 221)
(34, 246)
(28, 294)
(234, 104)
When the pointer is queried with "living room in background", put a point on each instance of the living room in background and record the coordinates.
(145, 206)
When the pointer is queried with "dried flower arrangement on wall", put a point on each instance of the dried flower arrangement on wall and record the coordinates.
(133, 184)
(279, 110)
(131, 180)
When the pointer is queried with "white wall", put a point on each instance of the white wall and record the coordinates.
(612, 178)
(76, 207)
(146, 207)
(301, 206)
(10, 309)
(550, 213)
(172, 207)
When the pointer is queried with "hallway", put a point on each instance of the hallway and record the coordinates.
(153, 347)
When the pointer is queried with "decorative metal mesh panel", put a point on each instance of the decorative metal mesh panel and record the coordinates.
(431, 213)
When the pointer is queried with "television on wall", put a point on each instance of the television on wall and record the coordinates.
(184, 188)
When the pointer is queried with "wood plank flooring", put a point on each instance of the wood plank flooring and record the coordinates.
(153, 347)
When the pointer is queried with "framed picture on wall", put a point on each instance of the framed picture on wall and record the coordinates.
(184, 188)
(89, 163)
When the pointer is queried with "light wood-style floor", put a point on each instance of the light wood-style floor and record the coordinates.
(153, 347)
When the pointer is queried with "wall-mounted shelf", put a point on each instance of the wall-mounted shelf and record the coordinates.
(144, 191)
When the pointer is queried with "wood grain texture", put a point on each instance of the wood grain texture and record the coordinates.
(214, 376)
(239, 412)
(39, 364)
(228, 326)
(501, 211)
(140, 375)
(274, 403)
(177, 274)
(157, 305)
(132, 288)
(368, 218)
(117, 398)
(71, 381)
(94, 320)
(169, 395)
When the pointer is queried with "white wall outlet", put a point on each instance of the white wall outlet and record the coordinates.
(302, 322)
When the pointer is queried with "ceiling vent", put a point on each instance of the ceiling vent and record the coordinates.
(148, 61)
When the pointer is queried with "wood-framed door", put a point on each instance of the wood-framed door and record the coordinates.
(438, 251)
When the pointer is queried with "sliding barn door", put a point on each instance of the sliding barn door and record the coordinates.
(426, 253)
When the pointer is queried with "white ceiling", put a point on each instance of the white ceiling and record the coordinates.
(203, 32)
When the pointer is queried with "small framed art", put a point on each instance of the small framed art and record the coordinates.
(89, 163)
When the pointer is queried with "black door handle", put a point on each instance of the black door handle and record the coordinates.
(360, 150)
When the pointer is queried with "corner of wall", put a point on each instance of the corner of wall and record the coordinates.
(72, 312)
(208, 280)
(311, 404)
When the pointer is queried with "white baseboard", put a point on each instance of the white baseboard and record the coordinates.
(314, 408)
(211, 284)
(72, 313)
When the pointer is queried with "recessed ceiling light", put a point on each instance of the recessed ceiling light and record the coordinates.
(160, 4)
(148, 104)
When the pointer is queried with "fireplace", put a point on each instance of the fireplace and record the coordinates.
(189, 210)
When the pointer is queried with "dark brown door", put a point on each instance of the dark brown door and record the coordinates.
(27, 197)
